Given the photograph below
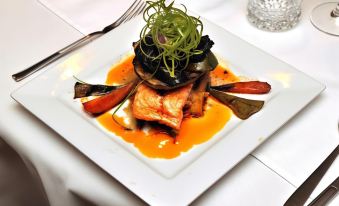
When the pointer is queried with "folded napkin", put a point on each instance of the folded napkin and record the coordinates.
(87, 16)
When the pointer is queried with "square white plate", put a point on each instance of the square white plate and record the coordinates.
(165, 182)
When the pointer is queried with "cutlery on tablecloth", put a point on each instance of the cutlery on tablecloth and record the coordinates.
(300, 196)
(135, 9)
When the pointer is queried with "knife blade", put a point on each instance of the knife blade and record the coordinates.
(326, 195)
(300, 196)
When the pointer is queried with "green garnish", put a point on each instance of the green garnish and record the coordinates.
(174, 33)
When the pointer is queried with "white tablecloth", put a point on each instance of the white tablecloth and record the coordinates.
(69, 178)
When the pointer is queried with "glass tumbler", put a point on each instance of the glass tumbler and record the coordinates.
(274, 15)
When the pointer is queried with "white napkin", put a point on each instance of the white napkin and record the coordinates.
(88, 15)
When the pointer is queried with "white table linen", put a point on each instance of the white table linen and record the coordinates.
(292, 153)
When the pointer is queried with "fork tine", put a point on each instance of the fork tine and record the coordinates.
(141, 9)
(123, 16)
(128, 13)
(126, 16)
(137, 12)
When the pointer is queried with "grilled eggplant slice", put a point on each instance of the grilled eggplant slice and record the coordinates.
(241, 107)
(86, 90)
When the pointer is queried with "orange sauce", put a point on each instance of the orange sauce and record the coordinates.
(222, 75)
(121, 73)
(156, 144)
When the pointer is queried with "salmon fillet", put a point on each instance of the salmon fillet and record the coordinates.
(166, 109)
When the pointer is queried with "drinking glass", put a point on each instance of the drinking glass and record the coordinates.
(325, 17)
(274, 15)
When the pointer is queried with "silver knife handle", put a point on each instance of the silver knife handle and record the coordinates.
(57, 55)
(325, 196)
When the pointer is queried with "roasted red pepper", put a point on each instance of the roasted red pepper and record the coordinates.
(251, 87)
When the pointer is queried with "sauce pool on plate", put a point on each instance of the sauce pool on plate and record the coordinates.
(155, 143)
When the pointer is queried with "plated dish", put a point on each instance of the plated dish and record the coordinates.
(170, 86)
(171, 179)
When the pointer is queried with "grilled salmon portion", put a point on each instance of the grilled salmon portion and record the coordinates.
(166, 109)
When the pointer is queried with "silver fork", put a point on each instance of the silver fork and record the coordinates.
(135, 9)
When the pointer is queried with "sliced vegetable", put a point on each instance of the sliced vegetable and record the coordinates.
(197, 96)
(85, 90)
(251, 87)
(108, 101)
(208, 63)
(241, 107)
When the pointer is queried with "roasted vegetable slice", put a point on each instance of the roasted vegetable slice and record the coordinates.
(241, 107)
(85, 90)
(251, 87)
(197, 96)
(108, 101)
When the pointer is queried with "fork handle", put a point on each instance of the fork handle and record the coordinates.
(57, 55)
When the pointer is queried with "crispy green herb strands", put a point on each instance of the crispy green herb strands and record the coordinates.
(174, 33)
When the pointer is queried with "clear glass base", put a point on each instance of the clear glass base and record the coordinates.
(324, 20)
(273, 15)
